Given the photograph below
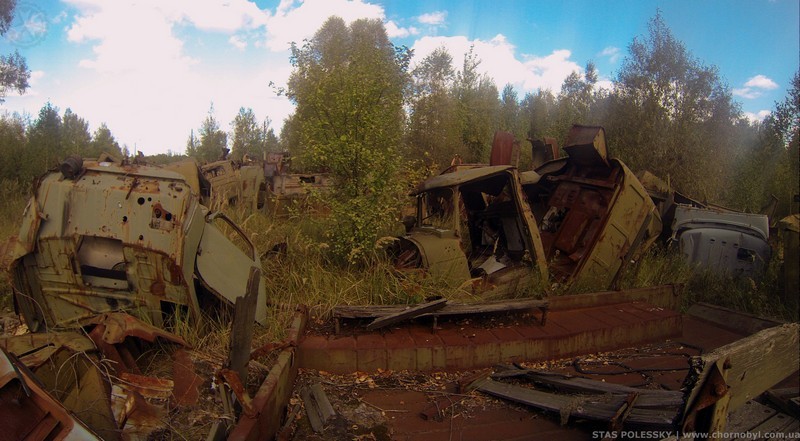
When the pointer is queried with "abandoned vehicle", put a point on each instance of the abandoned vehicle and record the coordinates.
(574, 221)
(99, 237)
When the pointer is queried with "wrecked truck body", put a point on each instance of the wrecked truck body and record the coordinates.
(593, 213)
(100, 237)
(232, 183)
(577, 219)
(723, 241)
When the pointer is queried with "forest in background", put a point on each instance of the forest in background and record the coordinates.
(376, 124)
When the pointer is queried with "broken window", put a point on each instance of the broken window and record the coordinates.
(102, 262)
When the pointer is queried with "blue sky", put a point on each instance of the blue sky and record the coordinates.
(150, 69)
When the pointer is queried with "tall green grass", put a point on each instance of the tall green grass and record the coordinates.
(762, 295)
(14, 196)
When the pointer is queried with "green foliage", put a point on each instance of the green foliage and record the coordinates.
(349, 83)
(251, 138)
(434, 129)
(672, 115)
(14, 73)
(760, 296)
(75, 135)
(45, 145)
(770, 166)
(478, 104)
(103, 141)
(577, 99)
(212, 144)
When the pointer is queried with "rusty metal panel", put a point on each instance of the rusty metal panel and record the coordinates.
(273, 395)
(225, 269)
(109, 238)
(505, 149)
(28, 412)
(586, 146)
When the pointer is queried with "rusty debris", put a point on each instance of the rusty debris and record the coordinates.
(28, 412)
(318, 407)
(111, 255)
(186, 382)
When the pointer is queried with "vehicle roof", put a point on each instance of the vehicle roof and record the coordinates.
(137, 170)
(460, 177)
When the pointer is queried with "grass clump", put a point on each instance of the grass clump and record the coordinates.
(762, 295)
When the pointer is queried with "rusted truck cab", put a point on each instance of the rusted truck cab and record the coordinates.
(574, 221)
(474, 225)
(98, 237)
(593, 213)
(232, 183)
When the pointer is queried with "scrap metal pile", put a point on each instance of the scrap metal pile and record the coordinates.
(110, 256)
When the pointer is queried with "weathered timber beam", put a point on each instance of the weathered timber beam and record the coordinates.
(647, 398)
(747, 368)
(597, 408)
(407, 314)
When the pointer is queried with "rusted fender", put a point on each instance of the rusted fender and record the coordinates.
(119, 325)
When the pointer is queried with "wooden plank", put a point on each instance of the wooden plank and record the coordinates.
(750, 366)
(244, 317)
(748, 416)
(323, 404)
(375, 311)
(274, 393)
(785, 400)
(596, 408)
(778, 423)
(312, 411)
(407, 314)
(731, 320)
(492, 307)
(647, 398)
(366, 311)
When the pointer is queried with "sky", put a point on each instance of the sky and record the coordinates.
(151, 70)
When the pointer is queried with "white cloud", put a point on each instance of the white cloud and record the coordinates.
(227, 16)
(294, 24)
(237, 42)
(747, 93)
(121, 44)
(761, 82)
(757, 117)
(140, 81)
(755, 87)
(499, 60)
(433, 18)
(395, 31)
(36, 75)
(613, 53)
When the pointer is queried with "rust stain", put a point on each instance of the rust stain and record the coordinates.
(158, 288)
(235, 383)
(118, 325)
(187, 382)
(175, 272)
(148, 387)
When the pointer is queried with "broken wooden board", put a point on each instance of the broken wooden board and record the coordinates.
(748, 367)
(448, 309)
(597, 408)
(647, 398)
(242, 327)
(785, 399)
(406, 314)
(373, 311)
(318, 407)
